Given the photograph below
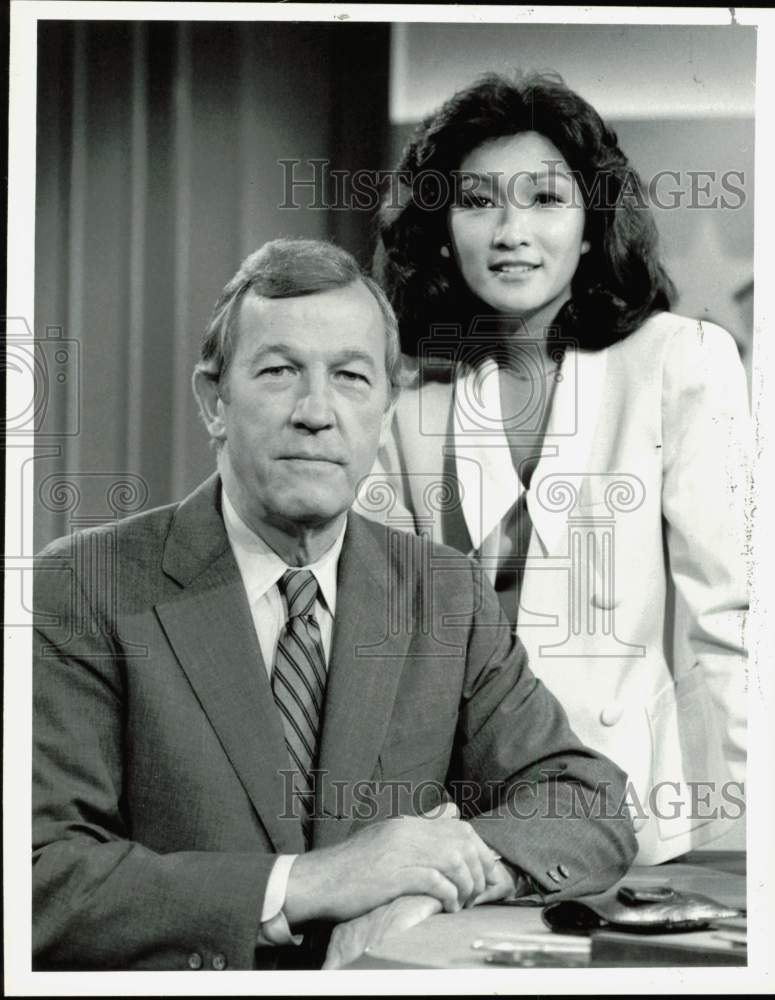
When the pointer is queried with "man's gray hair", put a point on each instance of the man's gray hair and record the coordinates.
(286, 269)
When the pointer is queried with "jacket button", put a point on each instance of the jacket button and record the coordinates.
(563, 871)
(611, 714)
(219, 962)
(195, 960)
(553, 875)
(639, 822)
(605, 601)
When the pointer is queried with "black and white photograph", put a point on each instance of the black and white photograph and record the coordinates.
(388, 424)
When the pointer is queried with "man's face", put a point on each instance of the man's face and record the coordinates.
(303, 405)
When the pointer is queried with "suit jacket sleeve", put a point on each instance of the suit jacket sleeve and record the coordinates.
(706, 441)
(100, 899)
(546, 803)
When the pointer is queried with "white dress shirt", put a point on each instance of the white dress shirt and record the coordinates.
(261, 568)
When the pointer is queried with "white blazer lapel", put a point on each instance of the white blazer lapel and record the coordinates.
(488, 480)
(569, 438)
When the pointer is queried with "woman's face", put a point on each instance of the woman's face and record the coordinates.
(517, 227)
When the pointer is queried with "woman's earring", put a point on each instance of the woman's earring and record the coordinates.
(585, 246)
(444, 250)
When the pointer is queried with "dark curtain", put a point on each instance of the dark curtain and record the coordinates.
(159, 167)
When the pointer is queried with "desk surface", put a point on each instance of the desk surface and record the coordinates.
(445, 941)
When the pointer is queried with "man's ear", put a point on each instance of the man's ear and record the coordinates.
(387, 419)
(211, 406)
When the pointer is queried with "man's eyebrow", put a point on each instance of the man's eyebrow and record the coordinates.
(353, 354)
(288, 351)
(278, 347)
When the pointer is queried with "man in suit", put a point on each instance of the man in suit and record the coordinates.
(254, 708)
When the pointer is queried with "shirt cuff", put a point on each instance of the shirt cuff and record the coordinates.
(274, 928)
(524, 885)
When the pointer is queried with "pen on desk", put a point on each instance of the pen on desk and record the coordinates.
(737, 939)
(534, 949)
(548, 943)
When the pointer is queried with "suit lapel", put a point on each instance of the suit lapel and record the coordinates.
(572, 426)
(211, 631)
(480, 470)
(363, 674)
(426, 431)
(489, 481)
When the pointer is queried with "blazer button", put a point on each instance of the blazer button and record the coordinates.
(563, 871)
(611, 714)
(639, 822)
(219, 962)
(195, 960)
(606, 602)
(553, 875)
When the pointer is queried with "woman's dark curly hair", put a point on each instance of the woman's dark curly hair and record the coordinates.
(618, 283)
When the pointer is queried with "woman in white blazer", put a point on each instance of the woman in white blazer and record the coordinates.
(586, 445)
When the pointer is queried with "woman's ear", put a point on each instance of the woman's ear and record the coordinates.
(211, 405)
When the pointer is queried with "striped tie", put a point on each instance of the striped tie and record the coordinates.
(298, 682)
